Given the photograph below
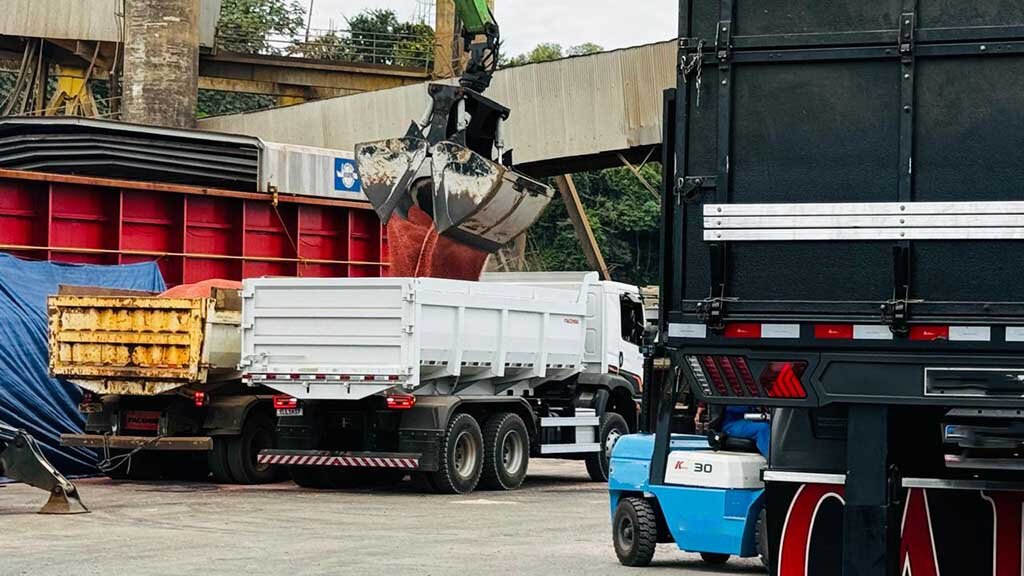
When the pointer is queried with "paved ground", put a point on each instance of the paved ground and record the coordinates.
(556, 524)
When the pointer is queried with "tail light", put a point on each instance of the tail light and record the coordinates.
(782, 379)
(200, 399)
(285, 402)
(400, 401)
(731, 376)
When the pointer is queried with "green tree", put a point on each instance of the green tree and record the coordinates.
(547, 51)
(248, 26)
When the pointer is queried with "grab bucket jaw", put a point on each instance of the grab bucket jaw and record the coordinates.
(388, 169)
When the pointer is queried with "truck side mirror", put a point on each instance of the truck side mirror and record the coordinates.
(650, 335)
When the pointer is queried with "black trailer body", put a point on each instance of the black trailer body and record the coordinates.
(843, 230)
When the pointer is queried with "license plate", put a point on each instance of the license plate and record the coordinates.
(289, 412)
(90, 408)
(142, 421)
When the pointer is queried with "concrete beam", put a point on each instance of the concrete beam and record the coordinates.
(271, 88)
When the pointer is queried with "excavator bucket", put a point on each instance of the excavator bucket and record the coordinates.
(388, 169)
(22, 460)
(480, 202)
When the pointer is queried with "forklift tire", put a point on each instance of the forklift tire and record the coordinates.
(316, 478)
(714, 557)
(218, 460)
(506, 452)
(635, 532)
(257, 435)
(762, 539)
(461, 463)
(613, 426)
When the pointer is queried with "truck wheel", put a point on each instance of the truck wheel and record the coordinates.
(613, 426)
(635, 532)
(218, 461)
(461, 462)
(714, 558)
(506, 452)
(762, 539)
(257, 435)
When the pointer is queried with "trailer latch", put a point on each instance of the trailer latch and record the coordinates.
(723, 42)
(896, 313)
(690, 186)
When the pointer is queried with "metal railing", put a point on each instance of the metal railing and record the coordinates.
(389, 49)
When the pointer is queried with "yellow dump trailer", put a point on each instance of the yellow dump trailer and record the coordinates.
(163, 394)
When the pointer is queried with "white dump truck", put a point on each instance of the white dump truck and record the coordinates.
(457, 382)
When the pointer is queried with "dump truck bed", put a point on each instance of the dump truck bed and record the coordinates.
(349, 338)
(144, 345)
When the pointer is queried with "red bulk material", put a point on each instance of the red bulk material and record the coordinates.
(418, 251)
(201, 289)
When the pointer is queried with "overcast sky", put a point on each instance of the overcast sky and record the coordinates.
(526, 23)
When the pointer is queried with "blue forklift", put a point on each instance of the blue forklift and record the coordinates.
(667, 484)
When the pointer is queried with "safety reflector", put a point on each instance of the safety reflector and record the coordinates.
(833, 331)
(929, 333)
(742, 330)
(285, 402)
(782, 379)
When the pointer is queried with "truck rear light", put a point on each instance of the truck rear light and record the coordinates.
(729, 371)
(698, 375)
(745, 375)
(782, 379)
(285, 402)
(400, 401)
(929, 333)
(714, 374)
(201, 399)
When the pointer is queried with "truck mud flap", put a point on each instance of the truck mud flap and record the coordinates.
(395, 460)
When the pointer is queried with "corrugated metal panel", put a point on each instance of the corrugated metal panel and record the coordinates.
(564, 109)
(94, 20)
(310, 171)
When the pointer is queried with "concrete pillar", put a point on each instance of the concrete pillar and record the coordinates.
(161, 62)
(445, 41)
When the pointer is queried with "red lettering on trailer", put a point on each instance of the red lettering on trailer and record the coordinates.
(1007, 539)
(796, 530)
(917, 544)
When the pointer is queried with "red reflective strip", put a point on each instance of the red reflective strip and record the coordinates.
(833, 331)
(743, 330)
(929, 333)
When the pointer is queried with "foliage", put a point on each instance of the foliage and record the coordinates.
(547, 51)
(212, 103)
(247, 25)
(375, 37)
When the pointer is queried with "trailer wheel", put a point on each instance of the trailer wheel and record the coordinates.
(243, 450)
(506, 452)
(714, 557)
(218, 460)
(635, 532)
(762, 539)
(461, 456)
(613, 426)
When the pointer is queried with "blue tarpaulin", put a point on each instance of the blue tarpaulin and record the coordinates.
(29, 398)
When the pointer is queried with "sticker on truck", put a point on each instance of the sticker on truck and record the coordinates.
(143, 421)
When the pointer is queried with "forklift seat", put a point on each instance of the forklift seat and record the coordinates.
(720, 441)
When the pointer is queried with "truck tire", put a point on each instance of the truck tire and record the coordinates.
(762, 539)
(506, 452)
(218, 460)
(613, 426)
(461, 459)
(635, 532)
(257, 435)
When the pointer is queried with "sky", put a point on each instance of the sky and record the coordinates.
(526, 23)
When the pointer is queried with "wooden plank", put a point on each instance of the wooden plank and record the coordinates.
(578, 217)
(131, 442)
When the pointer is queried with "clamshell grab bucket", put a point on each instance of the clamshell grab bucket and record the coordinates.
(388, 169)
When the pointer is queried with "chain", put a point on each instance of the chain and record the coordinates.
(693, 62)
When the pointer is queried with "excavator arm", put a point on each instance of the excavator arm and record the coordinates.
(22, 460)
(452, 163)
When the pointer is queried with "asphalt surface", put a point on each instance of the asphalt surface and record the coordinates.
(556, 524)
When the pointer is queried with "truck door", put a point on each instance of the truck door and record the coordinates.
(631, 333)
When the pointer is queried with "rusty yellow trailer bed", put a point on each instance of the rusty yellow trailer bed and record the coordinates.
(144, 345)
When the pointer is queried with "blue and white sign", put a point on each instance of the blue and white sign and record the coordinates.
(346, 177)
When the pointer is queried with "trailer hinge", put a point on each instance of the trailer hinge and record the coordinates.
(723, 43)
(689, 187)
(907, 35)
(407, 329)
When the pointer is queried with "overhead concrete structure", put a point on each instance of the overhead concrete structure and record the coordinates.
(161, 62)
(576, 112)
